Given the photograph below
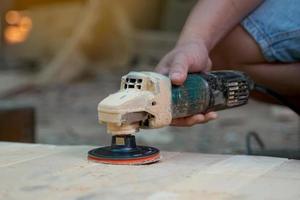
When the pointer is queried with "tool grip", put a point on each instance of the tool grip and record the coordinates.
(204, 92)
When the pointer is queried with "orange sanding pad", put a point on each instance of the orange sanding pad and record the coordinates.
(124, 151)
(126, 161)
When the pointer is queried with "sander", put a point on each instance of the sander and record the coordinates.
(148, 100)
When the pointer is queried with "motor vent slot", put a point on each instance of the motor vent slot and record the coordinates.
(133, 83)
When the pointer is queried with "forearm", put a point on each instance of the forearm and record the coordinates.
(210, 20)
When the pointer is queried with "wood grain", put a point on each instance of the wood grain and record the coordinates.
(31, 171)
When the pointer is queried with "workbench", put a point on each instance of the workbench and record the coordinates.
(35, 171)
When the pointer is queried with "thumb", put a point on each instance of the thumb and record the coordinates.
(208, 65)
(178, 70)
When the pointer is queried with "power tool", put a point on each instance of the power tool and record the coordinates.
(148, 100)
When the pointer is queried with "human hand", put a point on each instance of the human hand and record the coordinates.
(187, 57)
(184, 58)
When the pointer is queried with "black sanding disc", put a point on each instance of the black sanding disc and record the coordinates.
(124, 151)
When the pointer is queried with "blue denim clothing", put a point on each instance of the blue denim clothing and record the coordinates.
(275, 26)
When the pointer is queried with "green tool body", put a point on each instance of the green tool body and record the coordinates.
(204, 92)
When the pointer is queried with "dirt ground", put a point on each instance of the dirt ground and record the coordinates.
(67, 114)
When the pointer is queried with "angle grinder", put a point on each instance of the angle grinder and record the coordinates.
(148, 100)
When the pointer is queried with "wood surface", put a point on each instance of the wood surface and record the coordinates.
(32, 171)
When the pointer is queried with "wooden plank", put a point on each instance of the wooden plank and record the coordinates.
(14, 153)
(63, 172)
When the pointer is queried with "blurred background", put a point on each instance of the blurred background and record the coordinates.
(59, 58)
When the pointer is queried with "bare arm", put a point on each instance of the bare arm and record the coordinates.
(208, 23)
(211, 20)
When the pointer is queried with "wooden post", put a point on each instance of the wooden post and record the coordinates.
(17, 122)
